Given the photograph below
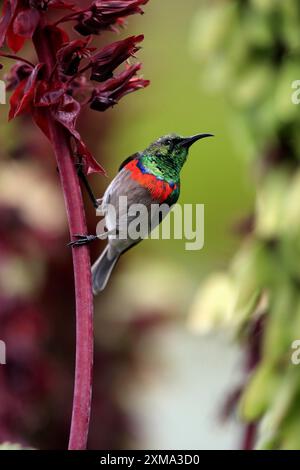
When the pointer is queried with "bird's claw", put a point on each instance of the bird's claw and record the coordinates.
(82, 240)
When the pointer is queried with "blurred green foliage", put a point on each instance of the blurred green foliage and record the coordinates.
(250, 51)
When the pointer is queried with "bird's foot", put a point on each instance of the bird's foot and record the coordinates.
(82, 240)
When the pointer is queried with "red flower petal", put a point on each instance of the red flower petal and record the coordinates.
(14, 42)
(90, 164)
(22, 98)
(25, 23)
(15, 99)
(48, 94)
(57, 37)
(18, 22)
(66, 113)
(8, 13)
(18, 72)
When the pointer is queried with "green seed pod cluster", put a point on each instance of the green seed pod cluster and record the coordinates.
(250, 51)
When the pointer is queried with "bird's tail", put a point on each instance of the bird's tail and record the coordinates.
(102, 269)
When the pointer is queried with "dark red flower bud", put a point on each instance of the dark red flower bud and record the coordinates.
(109, 93)
(104, 14)
(17, 74)
(111, 56)
(71, 54)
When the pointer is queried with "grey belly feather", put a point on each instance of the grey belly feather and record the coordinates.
(122, 185)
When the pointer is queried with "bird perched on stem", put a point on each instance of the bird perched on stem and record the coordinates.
(151, 177)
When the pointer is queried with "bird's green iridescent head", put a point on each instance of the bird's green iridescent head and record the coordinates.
(166, 156)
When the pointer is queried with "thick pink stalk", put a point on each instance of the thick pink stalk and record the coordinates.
(81, 263)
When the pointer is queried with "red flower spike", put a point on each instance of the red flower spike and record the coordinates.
(113, 90)
(104, 14)
(71, 54)
(22, 98)
(110, 57)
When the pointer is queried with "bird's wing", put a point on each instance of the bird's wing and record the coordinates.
(129, 159)
(124, 186)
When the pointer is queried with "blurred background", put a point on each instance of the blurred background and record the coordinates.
(178, 333)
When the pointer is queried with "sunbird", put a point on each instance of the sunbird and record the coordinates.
(150, 177)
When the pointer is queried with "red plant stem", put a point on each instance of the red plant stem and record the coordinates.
(81, 264)
(250, 435)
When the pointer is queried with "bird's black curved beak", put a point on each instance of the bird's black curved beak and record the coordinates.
(188, 141)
